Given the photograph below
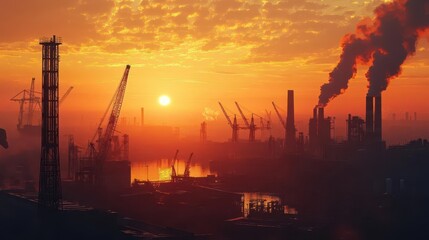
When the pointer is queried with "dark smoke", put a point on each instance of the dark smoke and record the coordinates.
(384, 42)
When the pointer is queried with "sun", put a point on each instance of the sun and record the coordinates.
(164, 100)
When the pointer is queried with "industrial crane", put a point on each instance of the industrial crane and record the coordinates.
(187, 172)
(30, 97)
(242, 115)
(233, 124)
(282, 120)
(105, 139)
(173, 168)
(268, 125)
(251, 126)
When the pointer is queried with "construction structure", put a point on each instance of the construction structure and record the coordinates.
(186, 173)
(106, 163)
(355, 130)
(233, 124)
(249, 125)
(50, 194)
(281, 119)
(319, 129)
(26, 122)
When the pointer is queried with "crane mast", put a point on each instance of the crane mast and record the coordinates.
(251, 126)
(31, 104)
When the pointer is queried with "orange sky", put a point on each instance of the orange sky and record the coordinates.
(198, 52)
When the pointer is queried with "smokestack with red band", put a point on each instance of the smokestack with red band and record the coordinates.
(290, 120)
(377, 119)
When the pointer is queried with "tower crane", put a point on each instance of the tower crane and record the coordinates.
(106, 137)
(233, 124)
(187, 172)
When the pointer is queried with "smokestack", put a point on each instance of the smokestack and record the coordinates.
(369, 116)
(377, 118)
(320, 125)
(384, 43)
(142, 117)
(290, 120)
(315, 113)
(321, 114)
(312, 129)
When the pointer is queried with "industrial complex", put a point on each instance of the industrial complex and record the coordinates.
(319, 181)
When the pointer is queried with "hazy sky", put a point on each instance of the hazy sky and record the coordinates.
(198, 52)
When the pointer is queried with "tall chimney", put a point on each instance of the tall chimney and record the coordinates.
(321, 134)
(377, 118)
(315, 113)
(290, 120)
(142, 117)
(312, 129)
(369, 116)
(321, 116)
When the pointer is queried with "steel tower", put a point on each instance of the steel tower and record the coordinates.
(50, 179)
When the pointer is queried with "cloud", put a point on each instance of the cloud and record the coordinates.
(273, 30)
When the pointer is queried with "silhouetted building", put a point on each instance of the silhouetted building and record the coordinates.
(290, 138)
(312, 131)
(355, 130)
(319, 129)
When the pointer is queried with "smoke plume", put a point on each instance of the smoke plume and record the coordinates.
(210, 114)
(383, 42)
